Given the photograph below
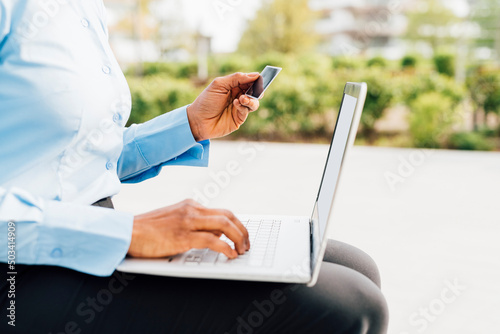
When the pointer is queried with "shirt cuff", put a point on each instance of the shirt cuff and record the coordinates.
(164, 140)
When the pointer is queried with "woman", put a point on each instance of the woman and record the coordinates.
(63, 105)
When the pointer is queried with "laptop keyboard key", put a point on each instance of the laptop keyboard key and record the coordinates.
(210, 257)
(263, 239)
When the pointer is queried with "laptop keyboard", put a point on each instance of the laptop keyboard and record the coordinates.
(263, 239)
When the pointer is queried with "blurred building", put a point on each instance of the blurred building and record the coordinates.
(370, 27)
(486, 13)
(131, 31)
(151, 30)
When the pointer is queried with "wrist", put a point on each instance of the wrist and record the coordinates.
(193, 124)
(134, 248)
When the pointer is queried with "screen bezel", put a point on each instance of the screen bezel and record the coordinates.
(318, 244)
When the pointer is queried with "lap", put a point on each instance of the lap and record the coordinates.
(52, 299)
(351, 257)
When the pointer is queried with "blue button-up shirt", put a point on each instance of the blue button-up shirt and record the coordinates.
(63, 105)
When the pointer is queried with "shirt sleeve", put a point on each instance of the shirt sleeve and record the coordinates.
(164, 140)
(93, 240)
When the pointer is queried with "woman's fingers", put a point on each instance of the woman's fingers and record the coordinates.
(241, 111)
(237, 223)
(225, 225)
(244, 105)
(233, 218)
(174, 229)
(207, 212)
(208, 240)
(238, 79)
(251, 104)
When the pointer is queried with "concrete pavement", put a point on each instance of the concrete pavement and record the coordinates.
(430, 219)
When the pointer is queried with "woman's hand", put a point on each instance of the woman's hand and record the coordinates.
(178, 228)
(222, 107)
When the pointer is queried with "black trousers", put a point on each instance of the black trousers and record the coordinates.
(346, 299)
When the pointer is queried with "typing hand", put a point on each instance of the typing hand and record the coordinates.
(178, 228)
(222, 107)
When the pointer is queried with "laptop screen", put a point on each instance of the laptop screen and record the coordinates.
(334, 161)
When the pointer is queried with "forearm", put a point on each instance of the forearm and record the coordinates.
(166, 139)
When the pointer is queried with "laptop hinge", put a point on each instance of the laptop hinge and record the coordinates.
(311, 240)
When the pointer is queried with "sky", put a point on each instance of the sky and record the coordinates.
(459, 7)
(224, 20)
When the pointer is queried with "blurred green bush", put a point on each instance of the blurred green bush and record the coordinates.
(412, 86)
(409, 61)
(469, 141)
(304, 100)
(347, 63)
(377, 61)
(174, 70)
(445, 64)
(483, 84)
(154, 95)
(380, 97)
(431, 119)
(224, 65)
(301, 104)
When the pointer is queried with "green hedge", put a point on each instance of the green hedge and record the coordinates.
(377, 61)
(431, 119)
(409, 61)
(445, 64)
(483, 84)
(154, 95)
(304, 100)
(411, 86)
(174, 70)
(469, 141)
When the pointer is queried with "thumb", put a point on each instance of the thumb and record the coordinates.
(237, 79)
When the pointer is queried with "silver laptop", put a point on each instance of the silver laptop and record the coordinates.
(283, 248)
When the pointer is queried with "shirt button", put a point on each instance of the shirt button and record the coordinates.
(106, 69)
(117, 118)
(109, 165)
(85, 23)
(56, 253)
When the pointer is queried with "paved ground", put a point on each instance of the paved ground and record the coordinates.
(431, 220)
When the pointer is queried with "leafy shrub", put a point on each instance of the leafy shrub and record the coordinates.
(377, 61)
(157, 94)
(469, 141)
(298, 106)
(445, 64)
(231, 64)
(174, 70)
(344, 62)
(484, 88)
(187, 70)
(431, 118)
(410, 87)
(154, 68)
(275, 59)
(409, 61)
(315, 65)
(304, 99)
(379, 97)
(489, 133)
